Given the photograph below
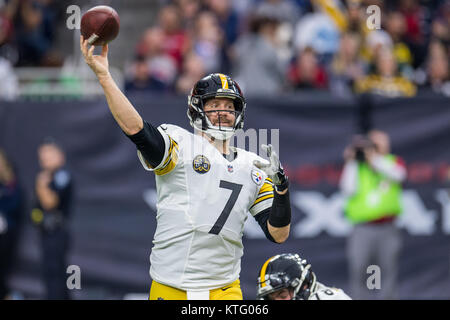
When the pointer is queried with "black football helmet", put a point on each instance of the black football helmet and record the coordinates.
(215, 85)
(286, 270)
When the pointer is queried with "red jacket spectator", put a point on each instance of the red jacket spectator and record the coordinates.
(306, 72)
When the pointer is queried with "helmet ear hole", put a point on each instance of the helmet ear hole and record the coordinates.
(295, 282)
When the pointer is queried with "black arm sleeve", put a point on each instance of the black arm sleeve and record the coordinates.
(262, 218)
(280, 213)
(150, 143)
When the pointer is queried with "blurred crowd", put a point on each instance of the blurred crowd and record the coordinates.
(276, 46)
(27, 31)
(268, 46)
(27, 35)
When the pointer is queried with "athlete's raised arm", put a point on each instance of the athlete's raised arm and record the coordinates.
(123, 111)
(147, 138)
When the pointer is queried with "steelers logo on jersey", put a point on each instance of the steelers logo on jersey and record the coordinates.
(201, 164)
(257, 177)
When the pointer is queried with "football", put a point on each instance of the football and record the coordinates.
(100, 25)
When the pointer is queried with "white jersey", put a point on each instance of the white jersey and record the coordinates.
(323, 292)
(203, 203)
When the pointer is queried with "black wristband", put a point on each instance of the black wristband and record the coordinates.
(280, 214)
(284, 183)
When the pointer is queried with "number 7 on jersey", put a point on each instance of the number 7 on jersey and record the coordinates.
(235, 190)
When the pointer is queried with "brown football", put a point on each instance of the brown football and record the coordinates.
(100, 25)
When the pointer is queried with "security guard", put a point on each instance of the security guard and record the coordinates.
(53, 198)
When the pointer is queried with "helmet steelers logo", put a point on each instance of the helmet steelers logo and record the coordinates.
(201, 164)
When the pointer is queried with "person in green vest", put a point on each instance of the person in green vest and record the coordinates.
(371, 179)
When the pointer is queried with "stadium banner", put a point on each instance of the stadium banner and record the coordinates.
(113, 217)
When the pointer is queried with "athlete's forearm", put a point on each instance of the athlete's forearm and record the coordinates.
(280, 235)
(121, 108)
(279, 221)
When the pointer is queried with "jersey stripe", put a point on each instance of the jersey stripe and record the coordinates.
(265, 194)
(263, 198)
(171, 160)
(266, 187)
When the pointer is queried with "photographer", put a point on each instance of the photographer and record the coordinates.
(372, 181)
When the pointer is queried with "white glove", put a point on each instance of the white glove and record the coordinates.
(273, 168)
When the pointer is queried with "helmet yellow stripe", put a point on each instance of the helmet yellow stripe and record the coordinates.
(263, 272)
(224, 80)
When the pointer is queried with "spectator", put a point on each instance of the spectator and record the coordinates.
(306, 72)
(10, 216)
(189, 10)
(376, 41)
(51, 211)
(141, 79)
(258, 68)
(35, 25)
(162, 67)
(416, 30)
(6, 24)
(284, 11)
(319, 32)
(437, 73)
(175, 41)
(347, 67)
(207, 41)
(193, 70)
(9, 87)
(372, 179)
(229, 24)
(287, 13)
(356, 17)
(414, 14)
(440, 26)
(396, 27)
(242, 8)
(386, 81)
(8, 49)
(440, 30)
(228, 19)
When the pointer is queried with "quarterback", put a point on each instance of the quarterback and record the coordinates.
(205, 187)
(288, 277)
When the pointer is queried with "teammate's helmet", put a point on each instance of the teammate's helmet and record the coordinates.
(286, 270)
(215, 85)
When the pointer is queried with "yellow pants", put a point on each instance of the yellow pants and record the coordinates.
(160, 291)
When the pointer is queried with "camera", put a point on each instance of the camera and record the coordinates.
(360, 143)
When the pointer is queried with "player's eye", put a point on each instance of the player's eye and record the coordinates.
(211, 107)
